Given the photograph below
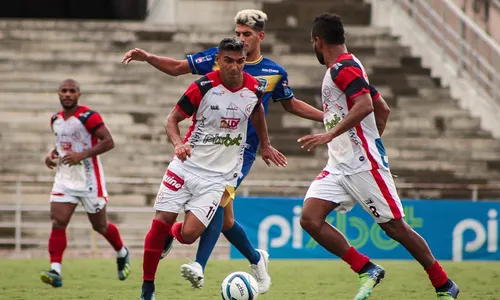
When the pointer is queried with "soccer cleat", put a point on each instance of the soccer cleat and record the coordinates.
(51, 277)
(123, 264)
(193, 272)
(167, 247)
(148, 295)
(368, 281)
(450, 294)
(260, 272)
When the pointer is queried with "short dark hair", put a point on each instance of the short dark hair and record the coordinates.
(231, 44)
(329, 27)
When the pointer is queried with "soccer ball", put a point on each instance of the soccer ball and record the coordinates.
(239, 286)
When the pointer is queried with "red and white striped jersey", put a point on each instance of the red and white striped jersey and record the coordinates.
(76, 134)
(360, 148)
(218, 130)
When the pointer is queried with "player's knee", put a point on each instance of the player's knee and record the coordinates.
(228, 222)
(189, 234)
(100, 228)
(396, 229)
(309, 223)
(59, 223)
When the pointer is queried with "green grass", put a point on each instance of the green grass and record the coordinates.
(292, 279)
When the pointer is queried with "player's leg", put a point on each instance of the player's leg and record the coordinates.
(170, 200)
(96, 212)
(61, 209)
(259, 259)
(200, 212)
(210, 236)
(377, 193)
(316, 208)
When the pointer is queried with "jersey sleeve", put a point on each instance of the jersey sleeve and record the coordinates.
(348, 77)
(374, 93)
(94, 122)
(52, 120)
(202, 62)
(190, 101)
(282, 91)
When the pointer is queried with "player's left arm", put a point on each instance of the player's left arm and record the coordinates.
(302, 109)
(104, 144)
(269, 153)
(283, 93)
(380, 109)
(357, 90)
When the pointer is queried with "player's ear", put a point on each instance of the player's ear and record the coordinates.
(261, 35)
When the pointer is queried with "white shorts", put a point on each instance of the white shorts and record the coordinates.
(92, 204)
(374, 190)
(183, 190)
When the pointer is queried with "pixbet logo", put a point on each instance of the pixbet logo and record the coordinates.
(172, 181)
(488, 236)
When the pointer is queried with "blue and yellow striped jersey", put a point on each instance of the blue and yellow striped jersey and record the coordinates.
(270, 74)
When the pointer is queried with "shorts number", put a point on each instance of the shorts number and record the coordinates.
(374, 211)
(211, 212)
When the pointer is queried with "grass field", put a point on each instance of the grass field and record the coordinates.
(96, 279)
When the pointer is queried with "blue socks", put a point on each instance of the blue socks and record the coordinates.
(237, 236)
(209, 238)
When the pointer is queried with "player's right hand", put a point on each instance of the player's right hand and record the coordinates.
(49, 160)
(183, 151)
(135, 54)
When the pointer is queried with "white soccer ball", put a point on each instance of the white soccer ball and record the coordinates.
(239, 286)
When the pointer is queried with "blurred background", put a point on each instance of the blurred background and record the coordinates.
(436, 62)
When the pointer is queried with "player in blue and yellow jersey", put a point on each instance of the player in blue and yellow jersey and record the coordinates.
(249, 29)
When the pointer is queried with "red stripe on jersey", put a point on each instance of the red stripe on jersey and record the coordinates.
(194, 94)
(376, 97)
(387, 194)
(97, 172)
(93, 122)
(359, 132)
(215, 78)
(191, 129)
(361, 92)
(346, 75)
(182, 111)
(375, 173)
(57, 194)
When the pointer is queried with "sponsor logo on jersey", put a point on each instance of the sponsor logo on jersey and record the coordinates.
(329, 124)
(214, 107)
(172, 181)
(226, 140)
(66, 146)
(199, 60)
(205, 82)
(229, 123)
(322, 175)
(270, 71)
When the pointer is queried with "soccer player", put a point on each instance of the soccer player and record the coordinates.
(81, 137)
(357, 168)
(211, 156)
(250, 30)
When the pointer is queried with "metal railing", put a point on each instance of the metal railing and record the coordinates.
(19, 207)
(461, 40)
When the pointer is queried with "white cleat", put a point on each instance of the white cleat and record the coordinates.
(193, 272)
(260, 272)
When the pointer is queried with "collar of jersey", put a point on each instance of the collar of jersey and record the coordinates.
(258, 60)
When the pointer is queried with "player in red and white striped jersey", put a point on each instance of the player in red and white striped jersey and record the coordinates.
(81, 137)
(357, 170)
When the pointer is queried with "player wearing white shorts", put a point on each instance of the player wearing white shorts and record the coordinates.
(357, 170)
(210, 157)
(81, 137)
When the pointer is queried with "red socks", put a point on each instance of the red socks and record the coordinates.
(355, 259)
(176, 232)
(57, 244)
(153, 246)
(113, 237)
(437, 275)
